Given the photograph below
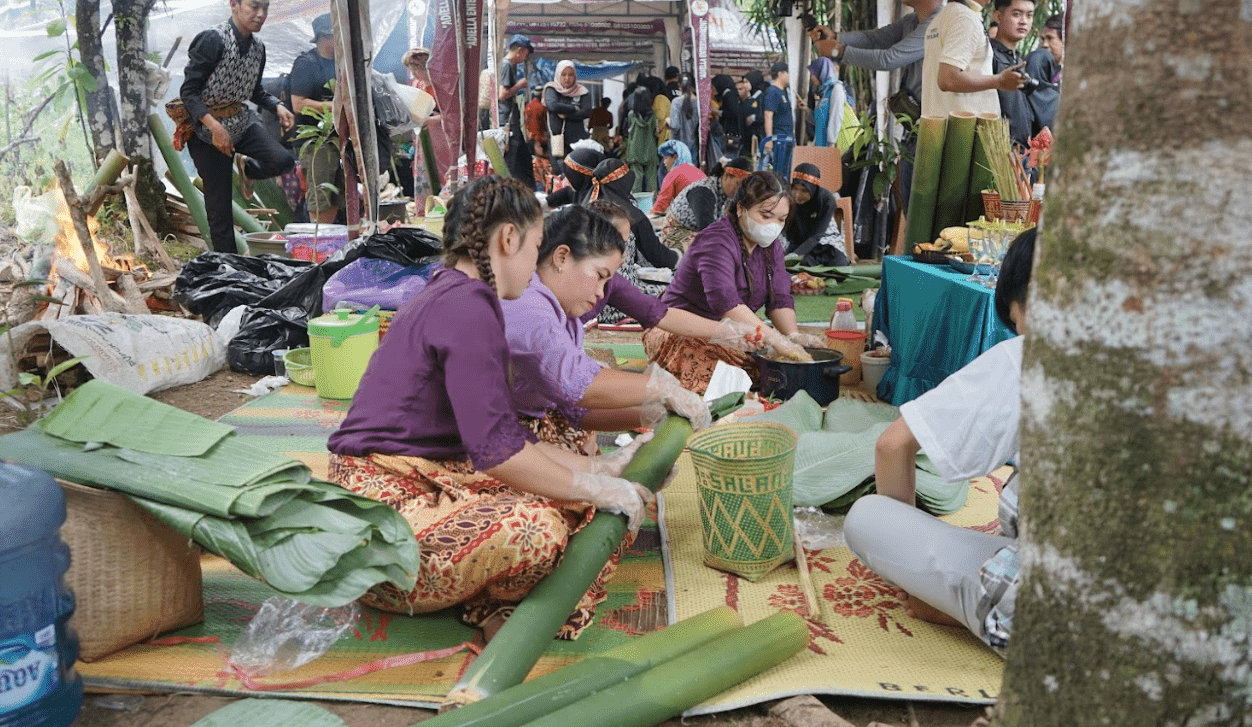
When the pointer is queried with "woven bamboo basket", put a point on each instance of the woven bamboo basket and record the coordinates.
(133, 576)
(743, 474)
(1009, 210)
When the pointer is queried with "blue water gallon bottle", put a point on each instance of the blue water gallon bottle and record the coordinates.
(38, 684)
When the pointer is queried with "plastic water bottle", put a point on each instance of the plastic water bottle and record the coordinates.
(38, 684)
(847, 337)
(844, 319)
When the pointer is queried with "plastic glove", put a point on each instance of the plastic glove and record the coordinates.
(806, 340)
(783, 349)
(613, 494)
(739, 336)
(665, 394)
(669, 477)
(614, 462)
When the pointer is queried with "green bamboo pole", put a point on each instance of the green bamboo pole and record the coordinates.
(272, 196)
(516, 647)
(925, 192)
(110, 169)
(958, 144)
(694, 677)
(980, 175)
(428, 158)
(492, 149)
(245, 220)
(537, 697)
(178, 174)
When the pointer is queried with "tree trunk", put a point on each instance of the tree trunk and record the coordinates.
(101, 110)
(1136, 604)
(131, 22)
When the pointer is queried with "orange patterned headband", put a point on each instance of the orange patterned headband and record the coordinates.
(806, 178)
(735, 172)
(571, 164)
(609, 178)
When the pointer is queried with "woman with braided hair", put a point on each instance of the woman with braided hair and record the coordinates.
(433, 432)
(732, 268)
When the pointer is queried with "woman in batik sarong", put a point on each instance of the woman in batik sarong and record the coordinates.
(702, 203)
(432, 431)
(733, 268)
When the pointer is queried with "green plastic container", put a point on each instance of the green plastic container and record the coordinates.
(342, 343)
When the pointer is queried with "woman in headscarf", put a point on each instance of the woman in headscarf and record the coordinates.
(812, 232)
(733, 268)
(579, 165)
(568, 103)
(724, 90)
(640, 136)
(828, 113)
(680, 172)
(702, 203)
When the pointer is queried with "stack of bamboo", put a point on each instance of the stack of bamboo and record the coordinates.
(958, 157)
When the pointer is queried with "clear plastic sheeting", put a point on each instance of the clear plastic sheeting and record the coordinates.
(286, 634)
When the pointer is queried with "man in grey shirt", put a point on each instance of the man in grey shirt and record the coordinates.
(898, 45)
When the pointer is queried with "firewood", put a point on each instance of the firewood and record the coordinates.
(130, 293)
(145, 237)
(158, 282)
(78, 214)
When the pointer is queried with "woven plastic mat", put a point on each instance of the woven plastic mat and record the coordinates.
(865, 645)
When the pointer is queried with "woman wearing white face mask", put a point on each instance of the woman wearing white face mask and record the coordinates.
(732, 268)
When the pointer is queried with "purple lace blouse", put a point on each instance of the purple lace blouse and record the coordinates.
(438, 385)
(629, 299)
(549, 369)
(711, 280)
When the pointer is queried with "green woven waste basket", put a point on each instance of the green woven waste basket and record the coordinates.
(743, 474)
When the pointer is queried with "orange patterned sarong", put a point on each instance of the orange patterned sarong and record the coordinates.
(692, 360)
(483, 545)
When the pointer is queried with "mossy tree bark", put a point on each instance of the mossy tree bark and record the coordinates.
(101, 111)
(1136, 605)
(131, 23)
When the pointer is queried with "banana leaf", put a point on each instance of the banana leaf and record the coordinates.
(834, 460)
(311, 540)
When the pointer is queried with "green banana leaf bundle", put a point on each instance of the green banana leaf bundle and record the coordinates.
(834, 461)
(313, 541)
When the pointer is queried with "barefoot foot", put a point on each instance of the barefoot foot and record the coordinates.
(919, 609)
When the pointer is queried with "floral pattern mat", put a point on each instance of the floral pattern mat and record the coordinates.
(863, 644)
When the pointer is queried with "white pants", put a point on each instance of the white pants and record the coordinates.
(922, 555)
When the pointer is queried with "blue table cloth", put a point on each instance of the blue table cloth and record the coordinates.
(936, 322)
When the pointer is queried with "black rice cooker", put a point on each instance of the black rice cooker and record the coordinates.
(818, 378)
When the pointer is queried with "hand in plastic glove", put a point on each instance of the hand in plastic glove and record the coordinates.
(614, 462)
(665, 394)
(613, 494)
(784, 350)
(806, 340)
(739, 336)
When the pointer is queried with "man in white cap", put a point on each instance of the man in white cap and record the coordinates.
(512, 80)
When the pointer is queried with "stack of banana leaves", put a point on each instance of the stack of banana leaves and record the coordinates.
(313, 541)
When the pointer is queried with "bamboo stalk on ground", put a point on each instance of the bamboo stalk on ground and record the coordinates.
(926, 169)
(538, 697)
(428, 158)
(953, 187)
(980, 176)
(667, 690)
(516, 647)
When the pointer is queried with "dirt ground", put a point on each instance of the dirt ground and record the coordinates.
(215, 396)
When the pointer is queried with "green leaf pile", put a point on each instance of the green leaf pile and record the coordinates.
(311, 540)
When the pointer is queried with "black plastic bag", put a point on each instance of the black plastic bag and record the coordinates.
(263, 331)
(213, 283)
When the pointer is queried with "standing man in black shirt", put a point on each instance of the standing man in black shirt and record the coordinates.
(1016, 18)
(311, 73)
(223, 70)
(512, 82)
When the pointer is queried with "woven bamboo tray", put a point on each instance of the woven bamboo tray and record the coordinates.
(133, 576)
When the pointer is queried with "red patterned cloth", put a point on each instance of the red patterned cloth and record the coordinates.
(483, 544)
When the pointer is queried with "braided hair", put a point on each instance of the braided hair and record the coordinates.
(474, 214)
(756, 188)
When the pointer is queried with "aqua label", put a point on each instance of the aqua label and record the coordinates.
(28, 668)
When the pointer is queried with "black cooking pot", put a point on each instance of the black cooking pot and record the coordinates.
(819, 379)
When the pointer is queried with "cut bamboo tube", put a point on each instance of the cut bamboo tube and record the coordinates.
(806, 583)
(700, 674)
(980, 175)
(514, 650)
(492, 149)
(958, 143)
(548, 693)
(110, 169)
(926, 166)
(178, 174)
